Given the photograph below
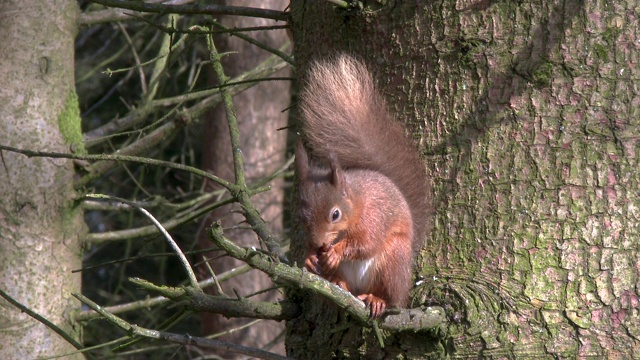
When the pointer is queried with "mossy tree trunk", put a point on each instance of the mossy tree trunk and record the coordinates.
(528, 115)
(40, 229)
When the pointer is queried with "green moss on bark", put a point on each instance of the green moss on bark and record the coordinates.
(69, 123)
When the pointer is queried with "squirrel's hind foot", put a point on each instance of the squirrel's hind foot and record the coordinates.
(376, 304)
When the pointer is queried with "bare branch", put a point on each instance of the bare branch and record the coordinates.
(234, 132)
(180, 219)
(208, 99)
(136, 57)
(158, 300)
(195, 9)
(259, 44)
(229, 307)
(107, 157)
(177, 338)
(115, 14)
(241, 194)
(144, 231)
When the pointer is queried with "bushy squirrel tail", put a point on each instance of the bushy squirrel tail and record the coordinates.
(344, 114)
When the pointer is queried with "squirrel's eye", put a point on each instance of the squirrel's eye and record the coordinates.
(335, 214)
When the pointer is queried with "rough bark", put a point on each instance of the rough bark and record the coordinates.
(528, 114)
(260, 115)
(40, 229)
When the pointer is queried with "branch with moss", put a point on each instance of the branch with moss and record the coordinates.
(427, 319)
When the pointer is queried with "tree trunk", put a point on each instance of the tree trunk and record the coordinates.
(528, 114)
(40, 229)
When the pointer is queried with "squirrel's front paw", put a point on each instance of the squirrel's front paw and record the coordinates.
(329, 261)
(311, 263)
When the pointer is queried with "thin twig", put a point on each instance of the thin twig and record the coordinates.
(143, 80)
(42, 320)
(195, 95)
(159, 135)
(144, 231)
(104, 63)
(163, 59)
(197, 30)
(235, 329)
(259, 44)
(213, 275)
(340, 3)
(157, 202)
(163, 231)
(129, 259)
(160, 58)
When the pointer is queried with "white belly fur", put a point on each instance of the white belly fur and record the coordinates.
(357, 274)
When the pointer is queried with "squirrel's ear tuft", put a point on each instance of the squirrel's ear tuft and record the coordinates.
(302, 161)
(338, 179)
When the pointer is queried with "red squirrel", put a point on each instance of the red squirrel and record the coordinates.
(365, 213)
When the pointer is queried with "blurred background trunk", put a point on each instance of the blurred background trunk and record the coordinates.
(261, 112)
